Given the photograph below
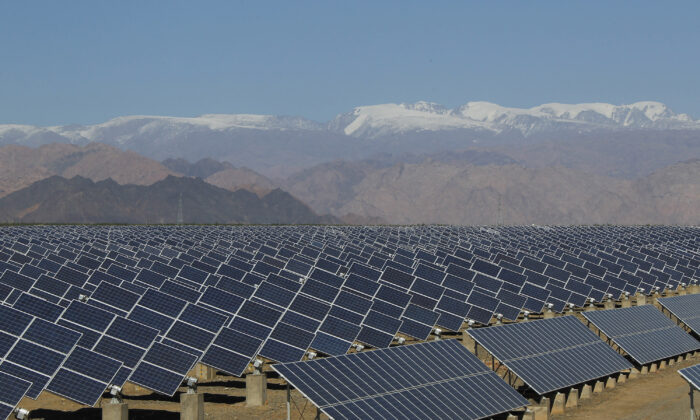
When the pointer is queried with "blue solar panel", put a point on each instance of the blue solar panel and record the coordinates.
(330, 345)
(156, 378)
(403, 381)
(374, 337)
(38, 307)
(220, 299)
(51, 336)
(280, 352)
(132, 332)
(12, 390)
(126, 353)
(203, 318)
(312, 308)
(190, 336)
(84, 376)
(692, 375)
(643, 332)
(153, 319)
(259, 313)
(535, 350)
(13, 321)
(115, 296)
(685, 308)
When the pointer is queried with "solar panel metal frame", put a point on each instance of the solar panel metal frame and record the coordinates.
(367, 382)
(654, 346)
(516, 364)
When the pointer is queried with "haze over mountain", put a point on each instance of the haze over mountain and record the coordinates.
(460, 192)
(278, 146)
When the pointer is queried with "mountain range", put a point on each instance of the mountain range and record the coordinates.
(81, 200)
(479, 163)
(277, 146)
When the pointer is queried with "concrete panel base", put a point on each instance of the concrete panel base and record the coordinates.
(599, 387)
(652, 368)
(671, 362)
(662, 364)
(540, 413)
(255, 390)
(609, 304)
(559, 404)
(118, 411)
(589, 308)
(610, 382)
(586, 392)
(641, 299)
(634, 373)
(572, 398)
(191, 406)
(626, 303)
(622, 378)
(644, 370)
(548, 315)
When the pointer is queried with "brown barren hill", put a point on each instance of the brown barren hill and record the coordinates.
(456, 192)
(21, 166)
(234, 179)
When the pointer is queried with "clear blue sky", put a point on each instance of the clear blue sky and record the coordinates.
(65, 62)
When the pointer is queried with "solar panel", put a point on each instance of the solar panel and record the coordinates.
(84, 376)
(438, 379)
(12, 390)
(686, 308)
(536, 351)
(163, 369)
(692, 375)
(643, 332)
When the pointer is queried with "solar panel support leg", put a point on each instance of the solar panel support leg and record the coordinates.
(115, 411)
(191, 406)
(559, 404)
(289, 402)
(692, 405)
(585, 392)
(255, 390)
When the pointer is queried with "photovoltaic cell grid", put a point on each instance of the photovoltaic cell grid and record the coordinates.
(643, 332)
(182, 271)
(12, 390)
(686, 308)
(551, 354)
(438, 379)
(692, 375)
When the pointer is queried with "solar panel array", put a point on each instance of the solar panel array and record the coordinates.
(151, 301)
(436, 379)
(685, 308)
(643, 332)
(692, 375)
(551, 354)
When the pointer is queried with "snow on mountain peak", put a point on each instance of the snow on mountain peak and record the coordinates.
(379, 120)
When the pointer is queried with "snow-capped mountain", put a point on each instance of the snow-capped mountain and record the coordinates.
(276, 145)
(391, 119)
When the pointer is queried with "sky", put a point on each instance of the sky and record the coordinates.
(84, 62)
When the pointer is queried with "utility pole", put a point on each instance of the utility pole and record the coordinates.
(180, 218)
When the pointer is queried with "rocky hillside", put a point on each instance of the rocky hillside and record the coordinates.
(458, 192)
(222, 174)
(80, 200)
(21, 166)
